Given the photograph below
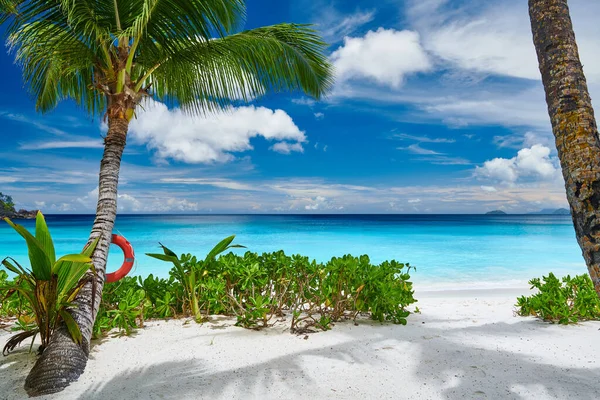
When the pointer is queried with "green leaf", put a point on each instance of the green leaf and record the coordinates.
(71, 326)
(12, 268)
(77, 258)
(69, 274)
(222, 246)
(163, 257)
(167, 251)
(40, 263)
(42, 234)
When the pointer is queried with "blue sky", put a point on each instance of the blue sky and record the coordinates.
(437, 108)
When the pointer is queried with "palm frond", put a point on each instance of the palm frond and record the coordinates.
(16, 340)
(214, 73)
(57, 65)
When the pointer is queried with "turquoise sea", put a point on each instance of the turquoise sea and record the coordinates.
(449, 251)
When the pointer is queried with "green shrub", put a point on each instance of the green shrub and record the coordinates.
(565, 301)
(40, 296)
(257, 288)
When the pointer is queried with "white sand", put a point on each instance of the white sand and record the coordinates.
(463, 345)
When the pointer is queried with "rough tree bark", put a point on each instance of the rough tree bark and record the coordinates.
(573, 122)
(63, 361)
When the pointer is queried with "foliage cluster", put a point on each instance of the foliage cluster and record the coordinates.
(566, 301)
(260, 289)
(41, 296)
(256, 289)
(7, 206)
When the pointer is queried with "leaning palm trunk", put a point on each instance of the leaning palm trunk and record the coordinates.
(573, 122)
(63, 361)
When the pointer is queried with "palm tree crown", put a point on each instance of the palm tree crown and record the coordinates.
(107, 55)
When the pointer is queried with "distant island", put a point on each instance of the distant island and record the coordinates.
(7, 209)
(495, 212)
(545, 211)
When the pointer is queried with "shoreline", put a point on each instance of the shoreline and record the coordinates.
(463, 344)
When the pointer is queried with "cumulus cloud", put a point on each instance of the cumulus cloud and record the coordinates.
(321, 203)
(176, 135)
(287, 148)
(385, 56)
(532, 163)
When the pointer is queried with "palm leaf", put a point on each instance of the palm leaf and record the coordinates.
(211, 74)
(222, 246)
(42, 234)
(40, 263)
(71, 326)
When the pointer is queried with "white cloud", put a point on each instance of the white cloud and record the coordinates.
(495, 37)
(216, 182)
(385, 56)
(321, 203)
(76, 144)
(416, 149)
(489, 189)
(414, 201)
(287, 148)
(304, 101)
(333, 27)
(176, 135)
(532, 163)
(421, 139)
(319, 115)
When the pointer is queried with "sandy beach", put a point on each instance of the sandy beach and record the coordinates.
(464, 344)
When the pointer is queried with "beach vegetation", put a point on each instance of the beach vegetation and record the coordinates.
(565, 301)
(6, 204)
(259, 290)
(42, 293)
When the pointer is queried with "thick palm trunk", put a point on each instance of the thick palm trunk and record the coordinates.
(573, 123)
(63, 361)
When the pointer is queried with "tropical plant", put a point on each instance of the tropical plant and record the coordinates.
(566, 301)
(109, 55)
(573, 122)
(6, 204)
(190, 272)
(48, 287)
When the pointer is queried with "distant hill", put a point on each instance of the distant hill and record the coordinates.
(495, 212)
(550, 211)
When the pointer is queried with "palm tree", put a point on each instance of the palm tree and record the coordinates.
(573, 122)
(107, 56)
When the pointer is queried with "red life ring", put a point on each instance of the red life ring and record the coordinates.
(127, 263)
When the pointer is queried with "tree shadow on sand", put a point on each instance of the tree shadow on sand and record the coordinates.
(452, 369)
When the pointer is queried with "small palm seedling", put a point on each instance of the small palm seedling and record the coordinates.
(49, 286)
(189, 271)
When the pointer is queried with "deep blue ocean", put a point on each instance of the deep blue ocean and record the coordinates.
(449, 251)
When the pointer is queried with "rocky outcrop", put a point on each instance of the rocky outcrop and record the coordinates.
(21, 214)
